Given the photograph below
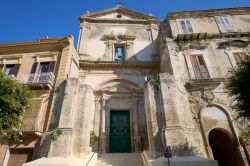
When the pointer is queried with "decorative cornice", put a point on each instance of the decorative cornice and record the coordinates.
(124, 21)
(118, 9)
(114, 37)
(209, 13)
(240, 43)
(115, 65)
(50, 44)
(194, 45)
(203, 84)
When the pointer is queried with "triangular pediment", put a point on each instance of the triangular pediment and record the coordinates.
(118, 13)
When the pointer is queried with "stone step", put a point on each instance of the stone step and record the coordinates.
(119, 159)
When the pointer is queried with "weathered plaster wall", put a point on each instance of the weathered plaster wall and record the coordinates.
(141, 49)
(209, 24)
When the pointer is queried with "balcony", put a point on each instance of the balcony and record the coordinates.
(206, 79)
(38, 81)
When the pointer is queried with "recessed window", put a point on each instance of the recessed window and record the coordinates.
(44, 67)
(9, 69)
(119, 53)
(199, 67)
(186, 26)
(224, 23)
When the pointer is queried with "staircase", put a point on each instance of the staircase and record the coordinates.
(119, 159)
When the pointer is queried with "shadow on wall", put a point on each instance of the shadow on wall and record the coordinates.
(184, 150)
(56, 110)
(148, 54)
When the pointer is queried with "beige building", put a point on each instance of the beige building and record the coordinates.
(198, 49)
(41, 65)
(136, 84)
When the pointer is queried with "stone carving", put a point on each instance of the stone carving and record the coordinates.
(208, 96)
(196, 104)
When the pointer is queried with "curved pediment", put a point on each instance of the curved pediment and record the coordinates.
(118, 85)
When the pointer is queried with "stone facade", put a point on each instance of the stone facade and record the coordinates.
(168, 76)
(197, 52)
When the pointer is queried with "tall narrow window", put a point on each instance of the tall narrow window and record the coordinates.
(186, 26)
(199, 67)
(119, 53)
(224, 23)
(239, 57)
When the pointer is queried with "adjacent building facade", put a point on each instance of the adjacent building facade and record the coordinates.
(40, 65)
(198, 50)
(136, 84)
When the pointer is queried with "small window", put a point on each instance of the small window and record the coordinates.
(186, 26)
(239, 57)
(119, 53)
(9, 69)
(44, 67)
(224, 23)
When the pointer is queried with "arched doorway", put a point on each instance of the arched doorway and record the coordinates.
(224, 149)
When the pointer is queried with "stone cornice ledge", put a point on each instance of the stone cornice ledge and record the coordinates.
(111, 64)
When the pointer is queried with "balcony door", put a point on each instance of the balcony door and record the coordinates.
(199, 67)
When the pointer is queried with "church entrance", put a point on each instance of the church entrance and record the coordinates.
(224, 149)
(120, 138)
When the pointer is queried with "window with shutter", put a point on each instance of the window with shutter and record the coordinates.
(199, 67)
(239, 57)
(185, 26)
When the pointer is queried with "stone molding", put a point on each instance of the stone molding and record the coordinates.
(209, 13)
(115, 65)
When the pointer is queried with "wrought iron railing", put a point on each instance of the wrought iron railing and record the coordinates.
(46, 78)
(210, 72)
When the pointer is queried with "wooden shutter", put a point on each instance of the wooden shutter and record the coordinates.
(34, 68)
(199, 66)
(195, 66)
(52, 66)
(16, 69)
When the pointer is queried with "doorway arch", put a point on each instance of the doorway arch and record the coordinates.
(224, 148)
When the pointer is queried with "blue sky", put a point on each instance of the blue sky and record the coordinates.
(28, 20)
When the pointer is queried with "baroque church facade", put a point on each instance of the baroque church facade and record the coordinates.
(136, 84)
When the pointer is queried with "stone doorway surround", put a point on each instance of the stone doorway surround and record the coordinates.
(118, 94)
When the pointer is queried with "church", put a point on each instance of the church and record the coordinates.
(137, 88)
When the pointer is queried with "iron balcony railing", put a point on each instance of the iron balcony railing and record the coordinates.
(42, 78)
(209, 73)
